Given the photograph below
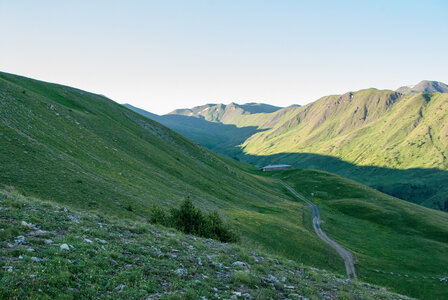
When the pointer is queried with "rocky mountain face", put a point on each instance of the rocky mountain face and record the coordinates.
(425, 86)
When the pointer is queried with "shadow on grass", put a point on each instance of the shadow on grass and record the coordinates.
(218, 137)
(428, 187)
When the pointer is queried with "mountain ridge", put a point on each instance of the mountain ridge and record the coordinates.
(424, 86)
(369, 127)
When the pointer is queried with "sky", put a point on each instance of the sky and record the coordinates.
(163, 55)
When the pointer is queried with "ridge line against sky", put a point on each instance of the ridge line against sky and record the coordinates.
(163, 55)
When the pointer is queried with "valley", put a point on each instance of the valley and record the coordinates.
(81, 151)
(394, 142)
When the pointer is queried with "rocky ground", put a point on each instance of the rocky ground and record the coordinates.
(49, 251)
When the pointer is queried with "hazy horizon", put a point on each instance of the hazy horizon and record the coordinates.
(165, 55)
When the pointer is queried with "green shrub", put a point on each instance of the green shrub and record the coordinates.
(191, 220)
(158, 216)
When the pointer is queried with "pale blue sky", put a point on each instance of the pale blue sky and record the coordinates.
(162, 55)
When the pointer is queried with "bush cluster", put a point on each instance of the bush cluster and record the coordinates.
(191, 220)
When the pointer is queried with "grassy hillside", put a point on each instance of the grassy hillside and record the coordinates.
(376, 128)
(392, 240)
(85, 150)
(216, 136)
(127, 259)
(370, 128)
(88, 153)
(77, 147)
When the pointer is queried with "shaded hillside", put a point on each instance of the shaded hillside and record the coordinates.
(203, 124)
(424, 186)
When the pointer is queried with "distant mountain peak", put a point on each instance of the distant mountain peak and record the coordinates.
(424, 86)
(214, 112)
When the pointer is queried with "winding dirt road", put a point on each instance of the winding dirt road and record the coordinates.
(346, 255)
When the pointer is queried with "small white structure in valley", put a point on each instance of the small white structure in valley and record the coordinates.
(275, 168)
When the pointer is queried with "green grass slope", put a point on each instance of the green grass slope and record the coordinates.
(392, 240)
(110, 258)
(86, 152)
(369, 127)
(82, 148)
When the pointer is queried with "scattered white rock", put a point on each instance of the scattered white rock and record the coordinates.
(272, 278)
(120, 288)
(28, 225)
(19, 239)
(241, 264)
(64, 247)
(20, 257)
(181, 272)
(88, 241)
(100, 241)
(48, 241)
(30, 250)
(39, 232)
(35, 259)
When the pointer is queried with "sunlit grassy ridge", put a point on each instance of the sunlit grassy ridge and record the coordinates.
(369, 127)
